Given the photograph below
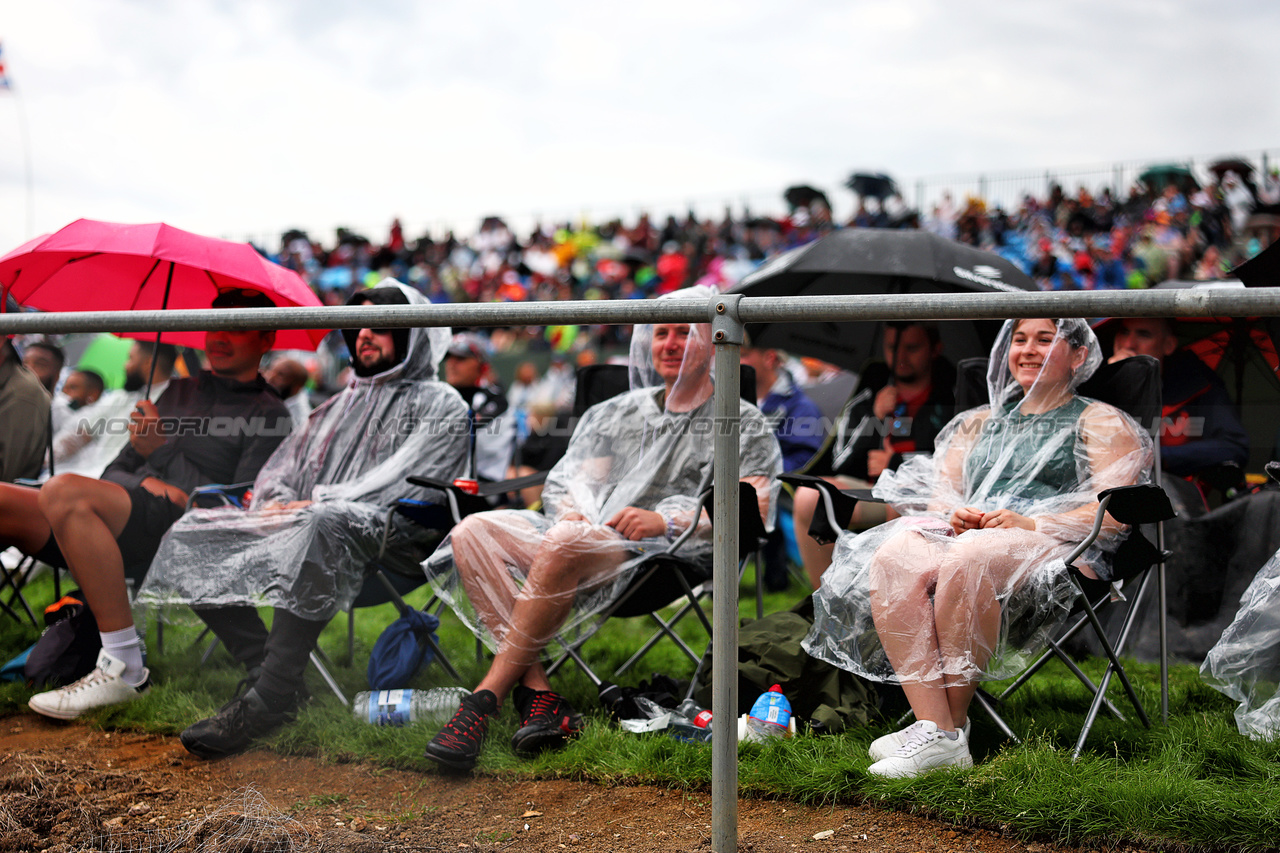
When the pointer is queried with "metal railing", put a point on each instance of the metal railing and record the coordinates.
(727, 315)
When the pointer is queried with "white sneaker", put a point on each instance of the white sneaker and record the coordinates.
(886, 745)
(924, 748)
(98, 689)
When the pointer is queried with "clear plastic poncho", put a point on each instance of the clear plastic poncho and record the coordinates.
(350, 461)
(648, 449)
(956, 589)
(1245, 662)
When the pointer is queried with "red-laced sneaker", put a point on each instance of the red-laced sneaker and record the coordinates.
(457, 745)
(546, 721)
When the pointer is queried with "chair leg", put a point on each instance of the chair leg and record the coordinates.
(665, 629)
(351, 637)
(208, 653)
(1113, 666)
(988, 704)
(16, 580)
(319, 663)
(1085, 680)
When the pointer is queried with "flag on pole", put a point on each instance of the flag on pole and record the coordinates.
(4, 75)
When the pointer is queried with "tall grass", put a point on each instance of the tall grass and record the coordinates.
(1194, 784)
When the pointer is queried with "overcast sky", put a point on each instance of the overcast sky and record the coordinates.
(241, 119)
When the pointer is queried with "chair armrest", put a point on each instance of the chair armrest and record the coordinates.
(751, 532)
(1132, 505)
(1143, 504)
(461, 502)
(837, 506)
(221, 494)
(514, 484)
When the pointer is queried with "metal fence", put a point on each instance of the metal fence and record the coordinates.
(727, 315)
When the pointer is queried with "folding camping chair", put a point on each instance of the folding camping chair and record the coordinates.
(663, 579)
(1132, 385)
(382, 582)
(16, 578)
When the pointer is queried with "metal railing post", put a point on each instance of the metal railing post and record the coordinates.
(726, 334)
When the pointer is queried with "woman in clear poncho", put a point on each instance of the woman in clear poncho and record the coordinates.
(926, 600)
(626, 487)
(1245, 662)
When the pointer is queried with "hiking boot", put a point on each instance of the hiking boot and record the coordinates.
(546, 721)
(236, 725)
(886, 745)
(924, 748)
(100, 688)
(457, 745)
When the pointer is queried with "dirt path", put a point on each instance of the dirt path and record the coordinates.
(68, 787)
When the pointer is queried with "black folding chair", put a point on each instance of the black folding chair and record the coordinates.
(17, 577)
(664, 579)
(1132, 385)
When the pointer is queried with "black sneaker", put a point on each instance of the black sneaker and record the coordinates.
(236, 725)
(546, 721)
(457, 745)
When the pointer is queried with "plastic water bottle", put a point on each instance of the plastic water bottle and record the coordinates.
(691, 723)
(695, 714)
(401, 707)
(770, 716)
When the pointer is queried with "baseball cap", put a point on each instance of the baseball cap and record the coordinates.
(468, 345)
(241, 297)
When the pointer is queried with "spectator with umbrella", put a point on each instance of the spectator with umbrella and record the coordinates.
(105, 529)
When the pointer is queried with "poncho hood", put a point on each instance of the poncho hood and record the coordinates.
(426, 346)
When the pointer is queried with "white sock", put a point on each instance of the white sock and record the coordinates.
(124, 645)
(950, 735)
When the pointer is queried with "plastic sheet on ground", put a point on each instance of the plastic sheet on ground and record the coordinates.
(957, 597)
(643, 452)
(1245, 663)
(351, 461)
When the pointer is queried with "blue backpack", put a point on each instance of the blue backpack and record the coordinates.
(402, 650)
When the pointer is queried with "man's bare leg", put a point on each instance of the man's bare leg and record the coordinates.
(22, 524)
(86, 516)
(572, 554)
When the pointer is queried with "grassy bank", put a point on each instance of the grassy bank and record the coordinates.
(1193, 784)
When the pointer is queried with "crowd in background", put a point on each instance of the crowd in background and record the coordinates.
(1166, 227)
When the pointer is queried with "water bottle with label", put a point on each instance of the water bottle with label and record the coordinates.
(770, 716)
(402, 707)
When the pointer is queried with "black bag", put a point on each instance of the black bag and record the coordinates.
(68, 649)
(823, 697)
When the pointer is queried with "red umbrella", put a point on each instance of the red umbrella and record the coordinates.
(106, 266)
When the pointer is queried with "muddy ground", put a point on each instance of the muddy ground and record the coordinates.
(70, 787)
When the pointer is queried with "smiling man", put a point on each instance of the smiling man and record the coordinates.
(316, 521)
(107, 529)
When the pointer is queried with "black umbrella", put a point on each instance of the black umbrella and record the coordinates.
(804, 195)
(872, 260)
(871, 184)
(1262, 270)
(1239, 165)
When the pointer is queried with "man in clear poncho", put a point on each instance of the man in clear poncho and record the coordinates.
(1245, 662)
(926, 600)
(316, 520)
(626, 487)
